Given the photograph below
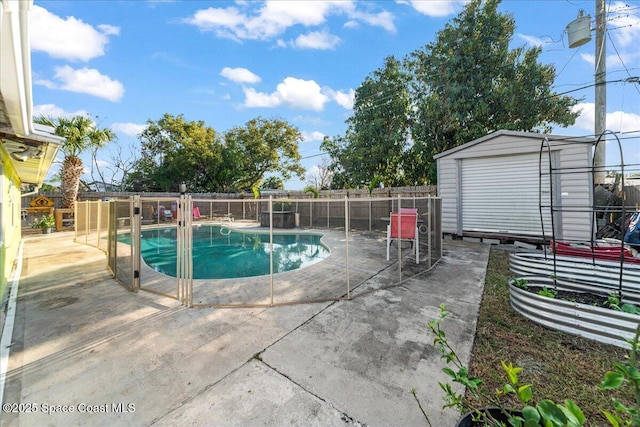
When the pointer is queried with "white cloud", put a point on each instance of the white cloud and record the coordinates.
(617, 121)
(311, 120)
(351, 24)
(109, 30)
(623, 122)
(623, 27)
(52, 110)
(129, 129)
(435, 8)
(255, 99)
(225, 22)
(614, 61)
(295, 93)
(588, 57)
(101, 164)
(344, 99)
(240, 75)
(312, 136)
(273, 18)
(276, 16)
(587, 115)
(383, 19)
(46, 83)
(68, 38)
(532, 40)
(625, 20)
(85, 80)
(317, 40)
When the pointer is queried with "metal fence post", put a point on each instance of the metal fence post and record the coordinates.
(98, 214)
(180, 251)
(135, 242)
(429, 231)
(399, 240)
(271, 246)
(188, 211)
(184, 255)
(346, 232)
(75, 216)
(86, 223)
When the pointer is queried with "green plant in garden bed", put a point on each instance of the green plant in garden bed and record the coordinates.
(546, 292)
(613, 302)
(559, 366)
(521, 283)
(545, 412)
(625, 373)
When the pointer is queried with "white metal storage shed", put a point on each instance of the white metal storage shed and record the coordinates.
(496, 185)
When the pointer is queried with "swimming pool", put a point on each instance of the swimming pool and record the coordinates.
(221, 253)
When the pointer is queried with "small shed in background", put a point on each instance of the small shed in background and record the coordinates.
(495, 186)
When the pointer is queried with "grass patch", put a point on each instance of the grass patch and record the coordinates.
(560, 366)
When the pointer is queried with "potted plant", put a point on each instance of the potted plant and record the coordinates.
(522, 413)
(46, 223)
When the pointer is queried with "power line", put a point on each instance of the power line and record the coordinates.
(621, 60)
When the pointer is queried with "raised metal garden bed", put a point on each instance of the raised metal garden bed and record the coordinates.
(581, 274)
(601, 324)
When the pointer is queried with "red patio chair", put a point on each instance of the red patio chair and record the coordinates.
(404, 226)
(196, 213)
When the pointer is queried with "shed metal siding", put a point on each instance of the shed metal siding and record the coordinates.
(575, 193)
(501, 195)
(572, 181)
(448, 190)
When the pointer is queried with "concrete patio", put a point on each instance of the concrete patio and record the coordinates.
(90, 352)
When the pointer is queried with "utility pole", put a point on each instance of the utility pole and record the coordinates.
(601, 92)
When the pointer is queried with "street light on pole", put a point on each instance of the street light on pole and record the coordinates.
(579, 33)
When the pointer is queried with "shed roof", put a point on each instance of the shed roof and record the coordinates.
(515, 134)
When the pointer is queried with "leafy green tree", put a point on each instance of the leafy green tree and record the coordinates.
(174, 150)
(272, 183)
(377, 134)
(81, 134)
(464, 85)
(263, 146)
(468, 83)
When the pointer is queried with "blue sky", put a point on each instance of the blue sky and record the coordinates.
(125, 62)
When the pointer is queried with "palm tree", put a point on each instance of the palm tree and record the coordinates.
(80, 133)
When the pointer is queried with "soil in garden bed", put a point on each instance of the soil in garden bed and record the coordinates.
(579, 297)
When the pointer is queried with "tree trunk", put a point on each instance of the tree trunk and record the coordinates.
(71, 173)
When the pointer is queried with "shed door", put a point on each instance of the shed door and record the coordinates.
(500, 195)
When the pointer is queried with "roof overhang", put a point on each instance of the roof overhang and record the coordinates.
(31, 148)
(516, 134)
(31, 155)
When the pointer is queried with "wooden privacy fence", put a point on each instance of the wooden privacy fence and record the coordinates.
(632, 195)
(415, 191)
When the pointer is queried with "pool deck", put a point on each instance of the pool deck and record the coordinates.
(322, 281)
(85, 345)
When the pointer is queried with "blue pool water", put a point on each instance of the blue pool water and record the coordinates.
(219, 253)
